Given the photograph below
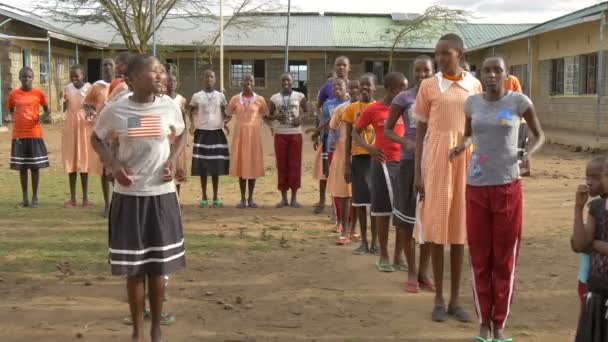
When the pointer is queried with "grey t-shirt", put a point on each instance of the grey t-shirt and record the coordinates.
(495, 131)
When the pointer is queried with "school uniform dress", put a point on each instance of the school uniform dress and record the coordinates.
(494, 202)
(329, 137)
(210, 154)
(383, 174)
(336, 184)
(440, 103)
(183, 159)
(76, 149)
(97, 97)
(361, 160)
(28, 151)
(145, 226)
(593, 323)
(404, 211)
(247, 157)
(288, 141)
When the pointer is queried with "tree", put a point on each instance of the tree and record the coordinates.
(132, 19)
(425, 27)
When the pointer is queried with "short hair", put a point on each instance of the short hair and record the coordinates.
(76, 67)
(138, 62)
(25, 69)
(454, 39)
(354, 83)
(426, 59)
(122, 58)
(339, 80)
(286, 74)
(497, 56)
(368, 76)
(393, 80)
(341, 57)
(208, 71)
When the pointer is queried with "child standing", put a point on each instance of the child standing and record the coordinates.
(247, 158)
(28, 151)
(78, 154)
(404, 211)
(210, 155)
(440, 183)
(285, 107)
(93, 104)
(119, 87)
(145, 229)
(494, 198)
(180, 101)
(336, 183)
(385, 163)
(357, 169)
(592, 237)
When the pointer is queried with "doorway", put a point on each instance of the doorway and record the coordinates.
(93, 69)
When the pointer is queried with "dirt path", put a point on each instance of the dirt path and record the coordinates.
(292, 282)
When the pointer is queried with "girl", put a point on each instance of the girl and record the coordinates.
(440, 182)
(182, 158)
(78, 155)
(145, 228)
(28, 151)
(93, 104)
(494, 195)
(210, 155)
(247, 157)
(336, 182)
(285, 107)
(118, 87)
(404, 211)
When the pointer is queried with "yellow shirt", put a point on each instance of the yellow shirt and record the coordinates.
(351, 115)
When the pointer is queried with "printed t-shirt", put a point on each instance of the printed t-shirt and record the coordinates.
(495, 130)
(209, 106)
(376, 114)
(27, 112)
(143, 131)
(351, 115)
(290, 105)
(407, 100)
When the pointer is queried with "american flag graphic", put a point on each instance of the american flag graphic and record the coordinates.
(147, 126)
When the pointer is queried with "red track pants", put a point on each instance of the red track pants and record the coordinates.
(494, 225)
(288, 151)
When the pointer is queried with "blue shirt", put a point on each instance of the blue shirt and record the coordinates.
(328, 111)
(583, 268)
(406, 100)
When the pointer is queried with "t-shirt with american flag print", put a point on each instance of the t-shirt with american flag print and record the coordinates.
(144, 132)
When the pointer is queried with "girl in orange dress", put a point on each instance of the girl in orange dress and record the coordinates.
(77, 153)
(441, 183)
(247, 155)
(92, 105)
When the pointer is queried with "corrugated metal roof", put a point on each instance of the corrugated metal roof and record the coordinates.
(477, 34)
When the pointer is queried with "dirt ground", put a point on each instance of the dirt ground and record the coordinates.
(292, 282)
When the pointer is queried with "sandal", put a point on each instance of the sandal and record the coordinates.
(439, 314)
(203, 203)
(338, 229)
(499, 340)
(69, 204)
(412, 286)
(343, 241)
(481, 339)
(400, 267)
(165, 318)
(86, 204)
(218, 204)
(354, 237)
(427, 285)
(241, 205)
(384, 267)
(459, 313)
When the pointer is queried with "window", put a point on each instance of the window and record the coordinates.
(557, 76)
(241, 67)
(26, 58)
(299, 73)
(44, 67)
(72, 61)
(60, 68)
(588, 74)
(378, 68)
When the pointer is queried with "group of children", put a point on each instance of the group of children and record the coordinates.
(440, 159)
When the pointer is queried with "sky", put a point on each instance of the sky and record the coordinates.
(488, 11)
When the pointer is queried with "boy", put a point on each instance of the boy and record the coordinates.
(285, 108)
(357, 171)
(385, 165)
(210, 155)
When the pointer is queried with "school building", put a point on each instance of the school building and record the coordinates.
(560, 63)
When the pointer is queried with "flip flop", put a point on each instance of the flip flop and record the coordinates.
(412, 286)
(338, 229)
(69, 204)
(218, 204)
(319, 209)
(400, 267)
(499, 340)
(281, 205)
(34, 204)
(481, 339)
(427, 285)
(203, 203)
(460, 315)
(374, 250)
(241, 205)
(343, 241)
(439, 314)
(354, 237)
(295, 205)
(361, 250)
(384, 267)
(252, 205)
(87, 204)
(165, 319)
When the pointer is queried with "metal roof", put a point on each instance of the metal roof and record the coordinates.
(477, 34)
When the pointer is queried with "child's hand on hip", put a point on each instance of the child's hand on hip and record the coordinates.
(582, 195)
(121, 174)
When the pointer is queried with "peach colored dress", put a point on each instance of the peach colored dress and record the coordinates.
(317, 167)
(77, 153)
(184, 158)
(440, 103)
(336, 185)
(247, 155)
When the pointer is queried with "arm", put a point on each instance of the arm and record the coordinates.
(535, 128)
(272, 111)
(348, 151)
(582, 234)
(119, 173)
(389, 129)
(191, 113)
(421, 129)
(467, 141)
(600, 247)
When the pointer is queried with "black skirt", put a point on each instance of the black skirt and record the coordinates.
(146, 235)
(210, 154)
(593, 323)
(29, 154)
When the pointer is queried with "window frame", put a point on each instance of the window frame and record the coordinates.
(557, 83)
(260, 82)
(385, 67)
(588, 76)
(43, 77)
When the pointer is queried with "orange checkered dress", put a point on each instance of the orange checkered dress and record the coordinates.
(440, 103)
